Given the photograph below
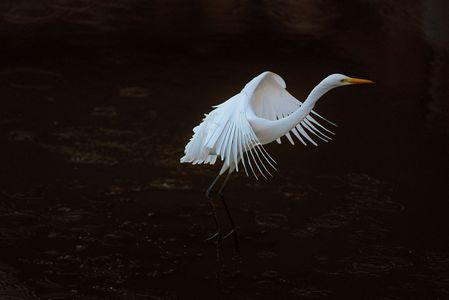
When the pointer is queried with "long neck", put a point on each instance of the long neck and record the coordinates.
(317, 92)
(276, 129)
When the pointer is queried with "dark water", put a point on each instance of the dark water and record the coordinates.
(98, 101)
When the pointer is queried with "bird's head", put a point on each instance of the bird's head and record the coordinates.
(336, 80)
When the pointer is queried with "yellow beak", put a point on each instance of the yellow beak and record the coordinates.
(358, 81)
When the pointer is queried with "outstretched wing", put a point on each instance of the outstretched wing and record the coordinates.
(270, 100)
(226, 133)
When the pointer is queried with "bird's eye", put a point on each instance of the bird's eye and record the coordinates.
(342, 80)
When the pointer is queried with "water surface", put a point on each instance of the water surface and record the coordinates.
(98, 102)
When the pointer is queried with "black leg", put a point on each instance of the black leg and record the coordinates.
(233, 228)
(212, 207)
(218, 234)
(228, 213)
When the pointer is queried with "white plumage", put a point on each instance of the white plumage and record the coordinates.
(262, 112)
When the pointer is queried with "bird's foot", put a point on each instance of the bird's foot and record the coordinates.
(218, 242)
(219, 235)
(229, 234)
(216, 235)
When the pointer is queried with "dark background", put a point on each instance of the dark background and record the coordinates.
(98, 99)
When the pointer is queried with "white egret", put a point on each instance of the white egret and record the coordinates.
(264, 111)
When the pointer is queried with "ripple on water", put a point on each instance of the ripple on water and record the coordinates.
(169, 184)
(133, 92)
(118, 238)
(121, 188)
(311, 293)
(74, 216)
(105, 112)
(95, 145)
(270, 274)
(328, 222)
(360, 181)
(271, 220)
(374, 202)
(435, 271)
(360, 193)
(22, 136)
(9, 236)
(375, 265)
(73, 295)
(11, 290)
(371, 231)
(266, 254)
(28, 78)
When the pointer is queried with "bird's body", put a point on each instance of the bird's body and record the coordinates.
(264, 111)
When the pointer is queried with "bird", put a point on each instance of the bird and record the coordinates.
(236, 131)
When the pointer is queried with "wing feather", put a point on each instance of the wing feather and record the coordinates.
(226, 133)
(298, 136)
(326, 137)
(272, 101)
(304, 124)
(311, 119)
(304, 134)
